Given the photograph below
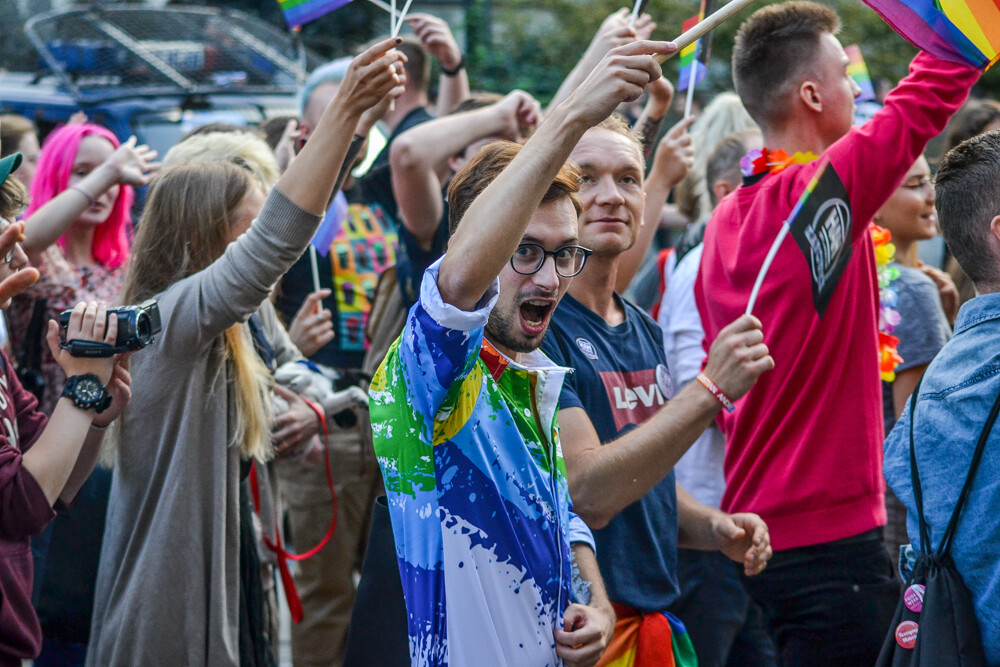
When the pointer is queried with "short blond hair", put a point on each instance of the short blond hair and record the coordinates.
(244, 149)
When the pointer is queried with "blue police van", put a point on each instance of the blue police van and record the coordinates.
(155, 73)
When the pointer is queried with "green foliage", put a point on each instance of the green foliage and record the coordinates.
(533, 44)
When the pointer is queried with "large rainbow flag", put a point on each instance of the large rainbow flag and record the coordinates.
(299, 12)
(959, 31)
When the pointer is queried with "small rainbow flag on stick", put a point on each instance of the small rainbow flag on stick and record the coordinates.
(694, 56)
(858, 71)
(299, 12)
(966, 32)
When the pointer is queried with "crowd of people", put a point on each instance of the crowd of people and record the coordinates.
(669, 446)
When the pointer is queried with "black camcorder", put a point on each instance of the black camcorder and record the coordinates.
(137, 325)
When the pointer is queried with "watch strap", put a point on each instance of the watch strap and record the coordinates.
(99, 404)
(456, 69)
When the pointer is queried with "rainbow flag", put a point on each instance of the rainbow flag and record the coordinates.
(859, 72)
(299, 12)
(690, 56)
(959, 31)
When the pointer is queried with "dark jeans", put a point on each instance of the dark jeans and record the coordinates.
(725, 626)
(378, 634)
(828, 604)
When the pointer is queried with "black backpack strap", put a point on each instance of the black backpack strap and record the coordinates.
(918, 494)
(977, 457)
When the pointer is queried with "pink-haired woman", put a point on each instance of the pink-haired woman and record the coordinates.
(77, 233)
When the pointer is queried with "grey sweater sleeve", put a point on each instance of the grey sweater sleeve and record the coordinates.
(199, 308)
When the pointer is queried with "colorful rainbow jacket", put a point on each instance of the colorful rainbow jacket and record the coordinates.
(477, 491)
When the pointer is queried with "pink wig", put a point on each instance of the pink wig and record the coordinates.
(55, 166)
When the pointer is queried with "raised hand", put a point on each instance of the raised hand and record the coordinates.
(518, 113)
(436, 37)
(620, 77)
(674, 155)
(738, 357)
(312, 327)
(615, 31)
(374, 74)
(15, 274)
(133, 165)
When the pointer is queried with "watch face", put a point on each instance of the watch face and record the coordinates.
(88, 390)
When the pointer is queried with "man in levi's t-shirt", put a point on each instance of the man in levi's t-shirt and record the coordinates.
(621, 437)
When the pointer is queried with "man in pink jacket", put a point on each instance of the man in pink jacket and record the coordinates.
(804, 446)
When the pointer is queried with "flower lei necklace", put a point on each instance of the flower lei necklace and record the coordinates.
(761, 160)
(888, 297)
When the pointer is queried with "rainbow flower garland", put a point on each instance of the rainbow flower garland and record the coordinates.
(888, 297)
(757, 161)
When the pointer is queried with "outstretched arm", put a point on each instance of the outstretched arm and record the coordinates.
(495, 221)
(606, 478)
(128, 165)
(307, 182)
(436, 37)
(416, 155)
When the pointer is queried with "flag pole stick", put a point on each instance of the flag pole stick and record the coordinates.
(635, 13)
(783, 232)
(689, 102)
(763, 269)
(314, 265)
(399, 20)
(703, 28)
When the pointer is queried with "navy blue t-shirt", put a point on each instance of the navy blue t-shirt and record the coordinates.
(621, 380)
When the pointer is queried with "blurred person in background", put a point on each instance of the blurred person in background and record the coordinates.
(925, 308)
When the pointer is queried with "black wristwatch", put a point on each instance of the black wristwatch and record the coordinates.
(87, 393)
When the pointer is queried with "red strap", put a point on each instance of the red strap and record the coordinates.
(661, 268)
(291, 594)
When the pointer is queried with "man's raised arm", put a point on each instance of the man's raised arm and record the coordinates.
(492, 227)
(417, 154)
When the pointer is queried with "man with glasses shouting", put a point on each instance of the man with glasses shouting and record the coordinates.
(496, 567)
(621, 437)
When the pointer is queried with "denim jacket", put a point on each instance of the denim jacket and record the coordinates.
(956, 395)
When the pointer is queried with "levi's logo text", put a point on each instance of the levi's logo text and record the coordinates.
(822, 230)
(634, 395)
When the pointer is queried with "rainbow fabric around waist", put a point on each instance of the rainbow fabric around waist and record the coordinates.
(658, 639)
